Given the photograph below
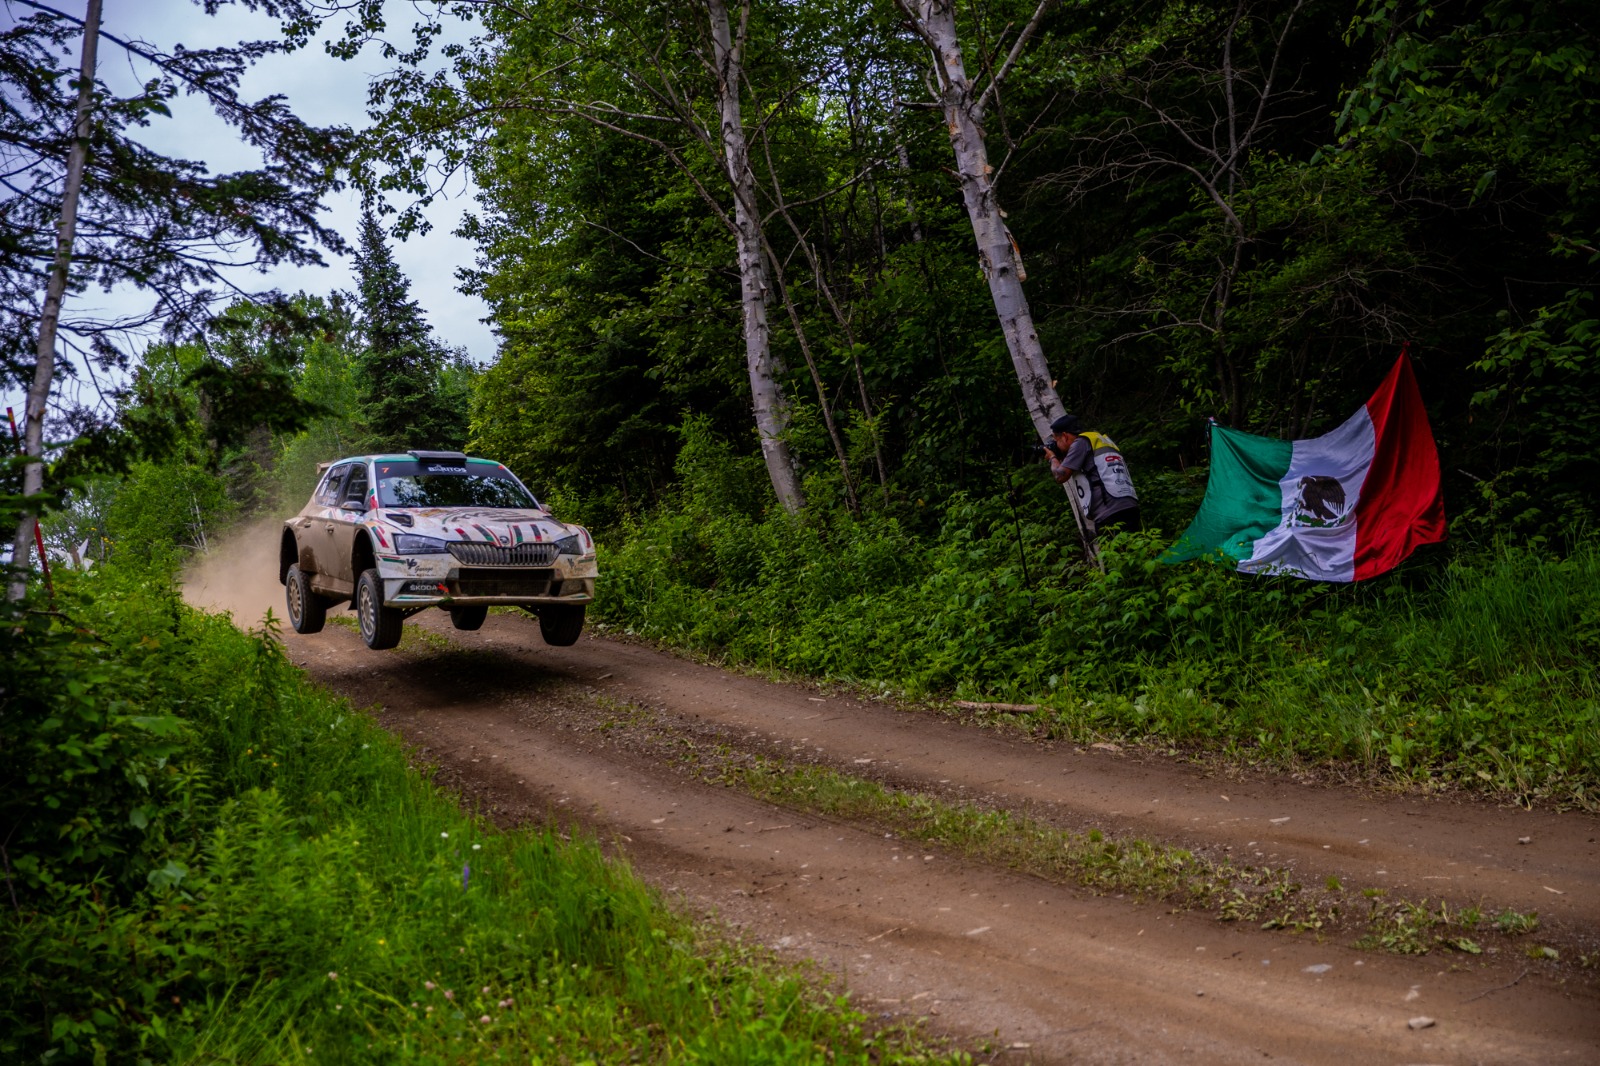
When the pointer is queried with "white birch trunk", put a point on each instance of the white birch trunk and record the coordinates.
(963, 114)
(963, 108)
(50, 314)
(772, 412)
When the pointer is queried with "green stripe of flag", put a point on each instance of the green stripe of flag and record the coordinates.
(1244, 496)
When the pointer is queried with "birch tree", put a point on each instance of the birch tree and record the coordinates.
(964, 105)
(90, 202)
(669, 75)
(50, 313)
(772, 414)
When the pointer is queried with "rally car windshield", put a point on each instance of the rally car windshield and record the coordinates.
(453, 490)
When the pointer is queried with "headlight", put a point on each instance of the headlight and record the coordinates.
(569, 546)
(412, 544)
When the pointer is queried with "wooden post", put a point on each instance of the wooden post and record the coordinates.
(38, 534)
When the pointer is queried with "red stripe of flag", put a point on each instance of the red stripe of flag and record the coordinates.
(1401, 506)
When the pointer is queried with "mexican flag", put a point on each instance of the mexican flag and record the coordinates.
(1345, 506)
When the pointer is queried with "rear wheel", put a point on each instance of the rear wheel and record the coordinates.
(380, 625)
(560, 624)
(307, 610)
(468, 618)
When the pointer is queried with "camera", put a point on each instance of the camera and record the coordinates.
(1049, 445)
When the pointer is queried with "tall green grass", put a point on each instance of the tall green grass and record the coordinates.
(278, 886)
(1467, 666)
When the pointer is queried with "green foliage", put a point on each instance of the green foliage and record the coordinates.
(162, 513)
(92, 786)
(165, 225)
(1500, 91)
(604, 348)
(1475, 670)
(400, 369)
(1318, 243)
(1241, 213)
(1145, 869)
(209, 859)
(1415, 928)
(1517, 923)
(1488, 109)
(1543, 376)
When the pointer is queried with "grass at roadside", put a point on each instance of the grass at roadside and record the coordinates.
(224, 864)
(1114, 863)
(1474, 669)
(1265, 895)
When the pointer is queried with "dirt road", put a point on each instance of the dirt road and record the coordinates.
(1042, 972)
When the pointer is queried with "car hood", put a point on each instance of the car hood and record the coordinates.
(501, 526)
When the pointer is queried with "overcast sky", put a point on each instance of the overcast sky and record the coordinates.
(322, 91)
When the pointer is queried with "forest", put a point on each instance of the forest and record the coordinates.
(786, 297)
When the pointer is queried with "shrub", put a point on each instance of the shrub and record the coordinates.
(1477, 666)
(208, 859)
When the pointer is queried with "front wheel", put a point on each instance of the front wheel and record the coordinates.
(468, 618)
(560, 624)
(307, 610)
(380, 625)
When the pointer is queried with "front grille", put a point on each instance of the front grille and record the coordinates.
(503, 582)
(538, 554)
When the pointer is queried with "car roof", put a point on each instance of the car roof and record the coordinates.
(406, 457)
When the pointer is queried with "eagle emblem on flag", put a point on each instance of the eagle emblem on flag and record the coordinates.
(1321, 501)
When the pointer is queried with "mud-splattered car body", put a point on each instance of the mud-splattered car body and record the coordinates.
(397, 533)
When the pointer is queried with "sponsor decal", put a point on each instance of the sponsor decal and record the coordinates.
(487, 514)
(441, 468)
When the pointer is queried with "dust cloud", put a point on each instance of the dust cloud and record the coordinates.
(239, 575)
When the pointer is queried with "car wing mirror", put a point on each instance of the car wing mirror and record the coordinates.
(353, 505)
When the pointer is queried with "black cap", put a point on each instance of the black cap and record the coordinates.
(1065, 424)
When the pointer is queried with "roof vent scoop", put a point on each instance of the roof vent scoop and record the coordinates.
(459, 457)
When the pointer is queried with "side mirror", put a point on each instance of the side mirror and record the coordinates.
(353, 505)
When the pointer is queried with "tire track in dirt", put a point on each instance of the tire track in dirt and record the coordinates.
(1075, 977)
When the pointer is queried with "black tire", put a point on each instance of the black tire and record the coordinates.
(560, 624)
(468, 618)
(380, 625)
(308, 612)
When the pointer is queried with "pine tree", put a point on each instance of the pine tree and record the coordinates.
(89, 201)
(400, 367)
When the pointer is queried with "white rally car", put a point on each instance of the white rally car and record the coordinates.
(395, 534)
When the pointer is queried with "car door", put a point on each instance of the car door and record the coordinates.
(346, 520)
(317, 532)
(308, 521)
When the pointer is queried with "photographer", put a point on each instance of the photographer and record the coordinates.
(1093, 470)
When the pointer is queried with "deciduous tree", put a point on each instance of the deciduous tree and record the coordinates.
(92, 203)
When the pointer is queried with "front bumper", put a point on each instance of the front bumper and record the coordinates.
(440, 580)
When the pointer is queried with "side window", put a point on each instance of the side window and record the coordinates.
(356, 491)
(328, 493)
